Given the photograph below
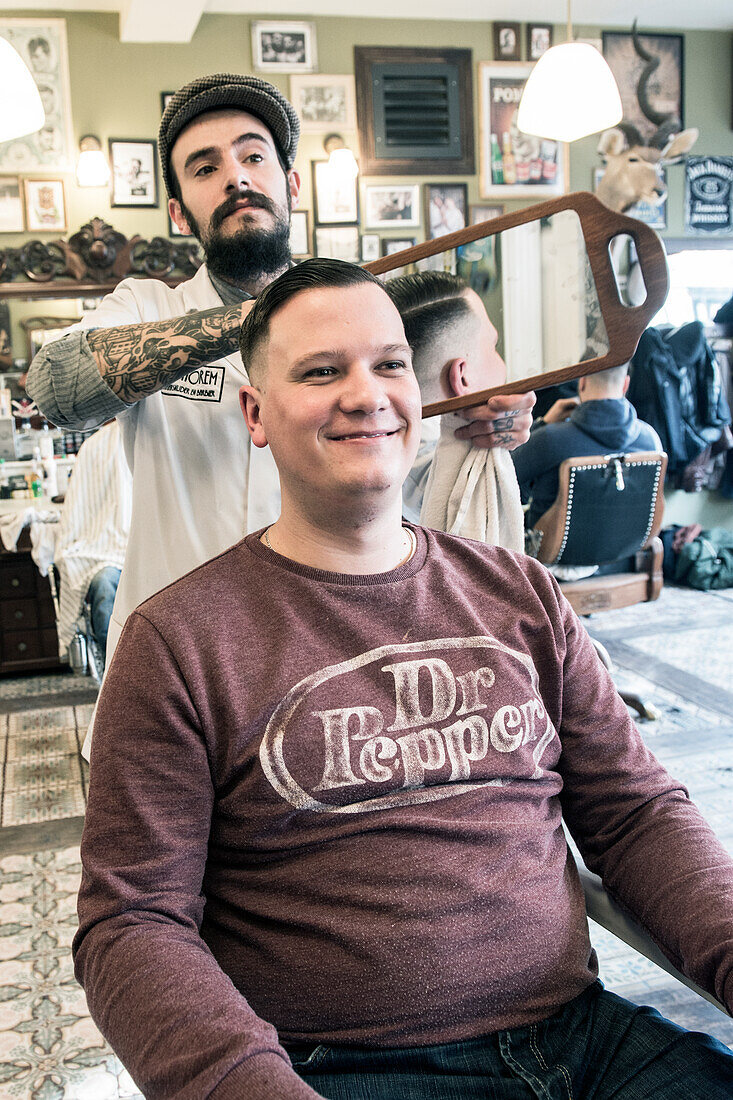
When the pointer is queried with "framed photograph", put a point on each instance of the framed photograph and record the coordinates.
(513, 164)
(134, 172)
(480, 212)
(390, 245)
(165, 98)
(665, 89)
(11, 205)
(507, 41)
(299, 233)
(42, 45)
(322, 102)
(282, 46)
(446, 208)
(339, 242)
(539, 40)
(45, 206)
(370, 247)
(392, 206)
(335, 197)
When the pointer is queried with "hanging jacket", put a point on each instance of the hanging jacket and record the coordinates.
(675, 386)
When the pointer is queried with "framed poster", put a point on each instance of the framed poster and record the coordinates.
(323, 102)
(299, 233)
(507, 41)
(392, 206)
(339, 242)
(335, 196)
(42, 45)
(446, 208)
(45, 206)
(11, 205)
(665, 89)
(134, 172)
(513, 164)
(709, 195)
(284, 46)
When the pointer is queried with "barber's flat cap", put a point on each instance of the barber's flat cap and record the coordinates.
(212, 93)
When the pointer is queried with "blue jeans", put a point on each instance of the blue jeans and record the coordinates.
(599, 1046)
(101, 598)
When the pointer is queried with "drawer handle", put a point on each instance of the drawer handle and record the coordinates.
(15, 582)
(22, 646)
(19, 615)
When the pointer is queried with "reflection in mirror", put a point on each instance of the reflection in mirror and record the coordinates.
(538, 290)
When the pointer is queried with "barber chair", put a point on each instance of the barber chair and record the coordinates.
(608, 512)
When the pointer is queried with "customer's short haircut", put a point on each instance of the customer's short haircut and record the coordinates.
(430, 304)
(317, 274)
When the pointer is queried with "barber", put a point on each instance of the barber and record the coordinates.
(165, 361)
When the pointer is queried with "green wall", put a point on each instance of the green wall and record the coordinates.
(115, 89)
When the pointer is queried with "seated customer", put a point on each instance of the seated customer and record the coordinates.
(599, 421)
(329, 775)
(93, 532)
(469, 491)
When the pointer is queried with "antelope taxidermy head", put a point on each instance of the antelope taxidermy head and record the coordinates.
(633, 165)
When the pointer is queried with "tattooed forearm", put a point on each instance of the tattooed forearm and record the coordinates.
(137, 360)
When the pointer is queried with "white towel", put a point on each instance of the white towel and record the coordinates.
(472, 491)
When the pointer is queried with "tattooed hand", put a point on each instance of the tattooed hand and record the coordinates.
(137, 360)
(503, 421)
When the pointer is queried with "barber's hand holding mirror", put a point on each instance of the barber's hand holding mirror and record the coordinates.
(544, 279)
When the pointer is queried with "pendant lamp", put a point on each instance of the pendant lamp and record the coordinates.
(570, 93)
(21, 110)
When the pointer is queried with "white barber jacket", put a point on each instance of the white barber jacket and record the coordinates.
(198, 486)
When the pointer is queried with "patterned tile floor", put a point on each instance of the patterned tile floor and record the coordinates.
(676, 652)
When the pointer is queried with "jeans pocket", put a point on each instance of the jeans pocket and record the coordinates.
(306, 1056)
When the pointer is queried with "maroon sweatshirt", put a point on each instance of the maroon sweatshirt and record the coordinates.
(329, 807)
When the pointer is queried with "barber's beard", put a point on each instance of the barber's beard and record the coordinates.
(251, 252)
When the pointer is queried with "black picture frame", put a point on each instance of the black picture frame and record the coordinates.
(330, 207)
(539, 40)
(165, 98)
(439, 195)
(125, 190)
(390, 245)
(669, 78)
(507, 41)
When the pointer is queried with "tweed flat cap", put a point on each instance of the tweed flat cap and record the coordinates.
(211, 93)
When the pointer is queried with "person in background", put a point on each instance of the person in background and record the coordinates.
(323, 850)
(599, 421)
(468, 491)
(92, 536)
(165, 362)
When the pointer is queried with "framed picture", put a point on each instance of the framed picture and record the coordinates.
(165, 98)
(539, 40)
(446, 208)
(42, 45)
(479, 212)
(369, 247)
(280, 46)
(299, 233)
(709, 195)
(335, 197)
(11, 205)
(665, 90)
(40, 330)
(651, 213)
(45, 206)
(390, 245)
(134, 172)
(322, 102)
(392, 206)
(339, 242)
(507, 41)
(513, 164)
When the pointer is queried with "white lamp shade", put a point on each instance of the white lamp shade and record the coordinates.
(21, 110)
(92, 168)
(571, 92)
(343, 163)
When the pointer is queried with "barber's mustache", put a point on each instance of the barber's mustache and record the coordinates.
(229, 206)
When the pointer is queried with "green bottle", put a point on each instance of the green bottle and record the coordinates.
(497, 165)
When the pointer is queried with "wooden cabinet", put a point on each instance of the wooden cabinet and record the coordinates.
(28, 640)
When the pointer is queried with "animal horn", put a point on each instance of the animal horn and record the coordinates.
(652, 64)
(630, 132)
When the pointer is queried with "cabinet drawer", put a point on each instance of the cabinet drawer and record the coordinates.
(22, 645)
(17, 579)
(18, 614)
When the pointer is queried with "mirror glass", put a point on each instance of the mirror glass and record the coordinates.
(538, 290)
